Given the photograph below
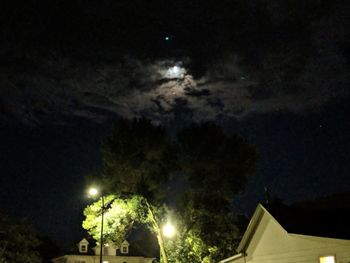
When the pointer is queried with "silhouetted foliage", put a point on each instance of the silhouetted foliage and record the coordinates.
(137, 159)
(204, 167)
(18, 242)
(48, 249)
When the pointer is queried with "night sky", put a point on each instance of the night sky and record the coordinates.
(276, 72)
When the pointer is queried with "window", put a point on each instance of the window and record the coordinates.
(125, 250)
(105, 251)
(83, 248)
(327, 259)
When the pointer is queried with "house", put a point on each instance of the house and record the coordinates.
(111, 254)
(295, 234)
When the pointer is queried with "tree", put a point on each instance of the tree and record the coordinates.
(138, 160)
(48, 249)
(141, 166)
(18, 242)
(216, 167)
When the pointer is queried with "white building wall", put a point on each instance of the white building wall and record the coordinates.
(110, 250)
(96, 259)
(272, 244)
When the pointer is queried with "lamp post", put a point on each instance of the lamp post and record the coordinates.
(94, 192)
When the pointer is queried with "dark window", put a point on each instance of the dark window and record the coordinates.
(124, 249)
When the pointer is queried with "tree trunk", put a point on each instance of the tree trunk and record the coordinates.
(163, 254)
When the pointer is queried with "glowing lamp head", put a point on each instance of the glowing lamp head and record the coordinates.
(168, 230)
(93, 191)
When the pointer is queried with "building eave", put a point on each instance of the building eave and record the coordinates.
(251, 228)
(237, 256)
(253, 225)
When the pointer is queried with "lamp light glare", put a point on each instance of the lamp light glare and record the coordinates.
(93, 191)
(168, 230)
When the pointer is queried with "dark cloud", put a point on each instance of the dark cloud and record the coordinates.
(197, 92)
(271, 56)
(131, 87)
(259, 93)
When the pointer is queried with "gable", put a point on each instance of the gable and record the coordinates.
(268, 236)
(262, 224)
(125, 243)
(83, 246)
(266, 240)
(84, 241)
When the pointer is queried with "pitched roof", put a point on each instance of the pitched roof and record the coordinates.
(83, 241)
(251, 228)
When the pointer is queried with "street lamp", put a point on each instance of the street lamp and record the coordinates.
(94, 192)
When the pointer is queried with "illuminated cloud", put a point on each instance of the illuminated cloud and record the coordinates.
(165, 89)
(175, 72)
(221, 73)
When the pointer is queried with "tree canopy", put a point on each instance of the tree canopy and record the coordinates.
(191, 180)
(138, 158)
(18, 242)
